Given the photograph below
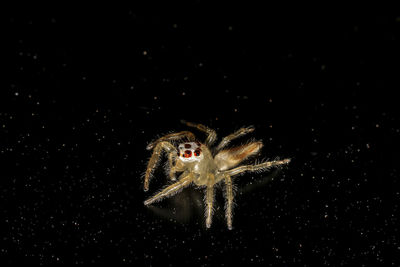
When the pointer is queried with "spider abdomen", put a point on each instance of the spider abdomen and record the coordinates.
(231, 157)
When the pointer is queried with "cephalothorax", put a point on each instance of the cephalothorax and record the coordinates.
(204, 165)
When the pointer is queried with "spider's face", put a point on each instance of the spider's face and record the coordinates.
(190, 152)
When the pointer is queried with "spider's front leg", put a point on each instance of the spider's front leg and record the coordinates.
(172, 189)
(172, 136)
(211, 134)
(155, 158)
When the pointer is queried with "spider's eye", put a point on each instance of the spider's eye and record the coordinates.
(188, 146)
(187, 154)
(197, 152)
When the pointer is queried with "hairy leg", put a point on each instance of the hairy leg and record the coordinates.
(211, 134)
(209, 200)
(254, 168)
(172, 136)
(172, 189)
(154, 160)
(227, 139)
(174, 166)
(229, 201)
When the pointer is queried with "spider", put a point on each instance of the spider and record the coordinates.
(204, 165)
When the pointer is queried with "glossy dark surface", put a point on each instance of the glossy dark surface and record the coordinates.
(86, 89)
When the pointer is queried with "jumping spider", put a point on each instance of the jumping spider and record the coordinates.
(204, 165)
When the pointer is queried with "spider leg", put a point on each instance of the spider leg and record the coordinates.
(171, 189)
(174, 167)
(229, 201)
(227, 139)
(211, 134)
(172, 136)
(172, 171)
(254, 168)
(154, 160)
(209, 200)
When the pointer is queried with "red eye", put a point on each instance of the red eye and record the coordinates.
(197, 152)
(187, 154)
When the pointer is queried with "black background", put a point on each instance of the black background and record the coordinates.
(85, 89)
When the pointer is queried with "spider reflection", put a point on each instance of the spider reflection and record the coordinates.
(189, 203)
